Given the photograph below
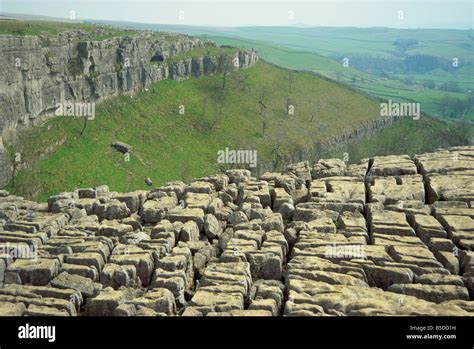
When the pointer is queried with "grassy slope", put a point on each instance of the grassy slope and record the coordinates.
(407, 136)
(169, 146)
(314, 49)
(387, 88)
(298, 48)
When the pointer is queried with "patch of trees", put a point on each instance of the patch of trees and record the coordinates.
(448, 86)
(374, 65)
(424, 63)
(429, 84)
(404, 44)
(456, 108)
(451, 86)
(226, 65)
(413, 64)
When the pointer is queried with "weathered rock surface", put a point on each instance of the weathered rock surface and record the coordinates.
(353, 245)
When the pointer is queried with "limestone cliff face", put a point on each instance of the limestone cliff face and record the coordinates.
(208, 65)
(40, 71)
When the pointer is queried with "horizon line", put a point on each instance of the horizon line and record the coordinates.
(297, 25)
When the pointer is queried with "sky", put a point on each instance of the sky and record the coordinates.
(456, 14)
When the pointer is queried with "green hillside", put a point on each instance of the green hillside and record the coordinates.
(406, 136)
(402, 86)
(411, 65)
(169, 146)
(329, 41)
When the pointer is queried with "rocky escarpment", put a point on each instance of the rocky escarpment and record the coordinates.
(41, 71)
(391, 235)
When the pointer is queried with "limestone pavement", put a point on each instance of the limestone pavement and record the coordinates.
(391, 235)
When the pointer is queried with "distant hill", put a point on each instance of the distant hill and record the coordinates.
(379, 60)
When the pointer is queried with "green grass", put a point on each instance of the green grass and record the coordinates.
(406, 136)
(292, 59)
(389, 88)
(169, 146)
(92, 31)
(321, 50)
(445, 43)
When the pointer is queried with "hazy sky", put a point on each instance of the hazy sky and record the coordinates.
(457, 14)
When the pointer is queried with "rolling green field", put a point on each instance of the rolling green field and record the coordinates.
(293, 59)
(377, 65)
(447, 43)
(391, 86)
